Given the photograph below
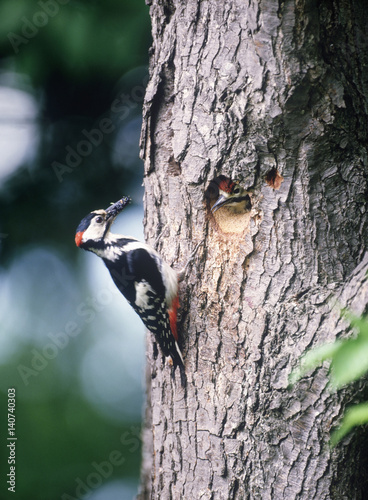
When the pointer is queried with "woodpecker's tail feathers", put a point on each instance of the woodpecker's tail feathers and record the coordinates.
(176, 360)
(176, 364)
(183, 377)
(180, 354)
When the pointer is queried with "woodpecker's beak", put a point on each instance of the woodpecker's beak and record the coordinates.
(115, 209)
(220, 202)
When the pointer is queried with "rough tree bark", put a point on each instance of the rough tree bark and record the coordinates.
(274, 94)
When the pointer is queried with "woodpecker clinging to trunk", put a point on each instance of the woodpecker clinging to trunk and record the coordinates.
(230, 194)
(148, 283)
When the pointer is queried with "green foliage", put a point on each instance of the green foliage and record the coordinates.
(61, 439)
(312, 359)
(81, 62)
(78, 37)
(356, 415)
(349, 362)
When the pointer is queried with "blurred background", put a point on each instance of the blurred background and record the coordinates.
(72, 81)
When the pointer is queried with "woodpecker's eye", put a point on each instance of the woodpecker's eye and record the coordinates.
(236, 190)
(99, 219)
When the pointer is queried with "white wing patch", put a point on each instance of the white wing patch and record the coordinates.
(111, 252)
(169, 276)
(142, 299)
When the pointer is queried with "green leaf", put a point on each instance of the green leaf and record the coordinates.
(350, 362)
(360, 323)
(356, 415)
(313, 358)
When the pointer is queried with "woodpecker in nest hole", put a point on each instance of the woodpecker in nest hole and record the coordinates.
(224, 192)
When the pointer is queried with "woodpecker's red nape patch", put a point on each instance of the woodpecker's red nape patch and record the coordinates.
(173, 315)
(78, 238)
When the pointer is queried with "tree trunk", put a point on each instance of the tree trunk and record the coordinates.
(275, 95)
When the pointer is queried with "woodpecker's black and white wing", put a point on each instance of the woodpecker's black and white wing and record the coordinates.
(150, 286)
